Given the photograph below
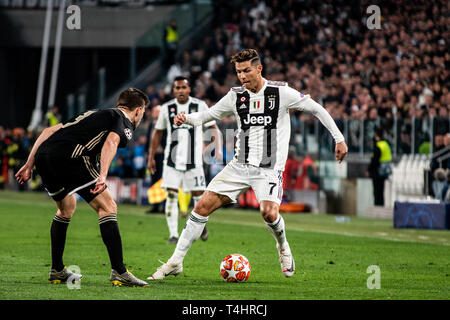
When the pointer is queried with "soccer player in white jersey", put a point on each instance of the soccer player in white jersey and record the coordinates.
(261, 108)
(183, 162)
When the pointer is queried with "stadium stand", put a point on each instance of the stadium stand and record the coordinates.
(39, 4)
(396, 77)
(408, 182)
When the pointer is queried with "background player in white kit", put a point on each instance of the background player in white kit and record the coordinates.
(261, 108)
(183, 161)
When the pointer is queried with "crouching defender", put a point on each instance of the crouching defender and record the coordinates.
(261, 108)
(65, 157)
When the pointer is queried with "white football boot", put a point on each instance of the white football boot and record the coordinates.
(286, 260)
(167, 269)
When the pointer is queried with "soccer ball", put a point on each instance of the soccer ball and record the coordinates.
(235, 268)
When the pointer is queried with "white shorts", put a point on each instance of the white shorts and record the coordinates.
(190, 180)
(236, 178)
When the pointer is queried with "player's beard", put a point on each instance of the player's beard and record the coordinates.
(249, 85)
(182, 100)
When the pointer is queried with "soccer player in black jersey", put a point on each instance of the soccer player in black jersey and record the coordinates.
(66, 157)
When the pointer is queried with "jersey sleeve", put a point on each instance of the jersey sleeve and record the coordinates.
(204, 107)
(161, 123)
(124, 131)
(221, 109)
(299, 101)
(293, 98)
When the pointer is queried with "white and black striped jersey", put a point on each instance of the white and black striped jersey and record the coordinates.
(184, 145)
(263, 121)
(84, 135)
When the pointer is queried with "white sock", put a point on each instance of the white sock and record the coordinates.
(278, 231)
(172, 213)
(191, 232)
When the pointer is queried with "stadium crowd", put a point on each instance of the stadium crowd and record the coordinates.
(325, 49)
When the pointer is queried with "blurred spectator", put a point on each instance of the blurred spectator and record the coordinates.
(307, 176)
(122, 165)
(170, 43)
(380, 166)
(425, 146)
(290, 173)
(139, 157)
(441, 148)
(438, 142)
(117, 168)
(439, 183)
(151, 93)
(16, 155)
(52, 117)
(405, 140)
(446, 189)
(3, 159)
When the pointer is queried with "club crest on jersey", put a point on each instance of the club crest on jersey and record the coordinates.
(128, 133)
(271, 101)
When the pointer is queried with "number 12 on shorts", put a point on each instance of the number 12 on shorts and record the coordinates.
(199, 181)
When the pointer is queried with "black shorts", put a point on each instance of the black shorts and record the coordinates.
(62, 176)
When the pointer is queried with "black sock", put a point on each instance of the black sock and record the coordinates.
(112, 240)
(58, 233)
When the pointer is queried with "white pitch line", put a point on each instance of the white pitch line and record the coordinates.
(349, 234)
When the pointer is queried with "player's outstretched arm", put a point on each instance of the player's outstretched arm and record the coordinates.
(107, 154)
(194, 119)
(305, 103)
(217, 112)
(24, 174)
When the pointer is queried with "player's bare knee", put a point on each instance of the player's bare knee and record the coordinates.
(202, 209)
(66, 212)
(66, 208)
(269, 212)
(110, 207)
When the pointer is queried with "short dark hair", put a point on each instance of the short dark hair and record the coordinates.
(132, 98)
(247, 55)
(181, 78)
(379, 132)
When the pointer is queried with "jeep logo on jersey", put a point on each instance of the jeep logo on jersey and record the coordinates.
(258, 120)
(128, 133)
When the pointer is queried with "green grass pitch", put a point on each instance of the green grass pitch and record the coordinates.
(331, 258)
